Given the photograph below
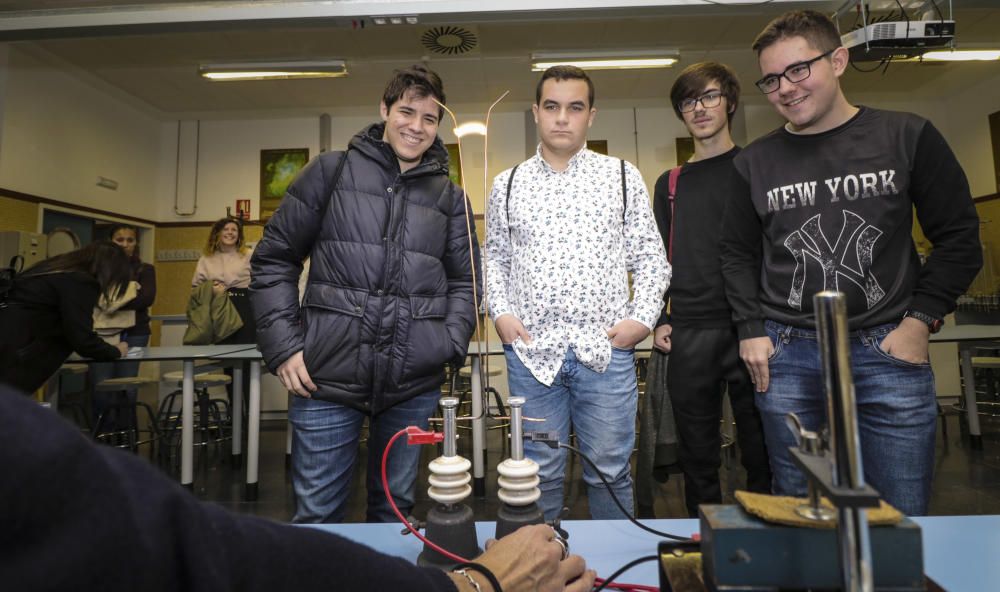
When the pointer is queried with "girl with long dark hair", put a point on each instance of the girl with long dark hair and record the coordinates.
(48, 313)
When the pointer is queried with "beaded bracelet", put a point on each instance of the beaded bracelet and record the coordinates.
(478, 567)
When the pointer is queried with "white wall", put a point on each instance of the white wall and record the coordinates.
(60, 133)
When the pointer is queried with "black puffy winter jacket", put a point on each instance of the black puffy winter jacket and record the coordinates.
(389, 299)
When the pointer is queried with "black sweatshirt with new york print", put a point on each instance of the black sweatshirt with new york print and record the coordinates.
(834, 211)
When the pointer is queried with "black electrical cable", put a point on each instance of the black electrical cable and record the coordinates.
(906, 17)
(611, 579)
(938, 10)
(879, 65)
(887, 62)
(617, 501)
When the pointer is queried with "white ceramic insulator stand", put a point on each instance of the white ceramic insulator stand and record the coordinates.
(518, 480)
(449, 479)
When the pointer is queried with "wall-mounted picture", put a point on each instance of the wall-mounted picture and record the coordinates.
(685, 149)
(454, 164)
(598, 146)
(278, 167)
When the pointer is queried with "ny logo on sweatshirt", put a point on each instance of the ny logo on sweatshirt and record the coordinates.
(850, 257)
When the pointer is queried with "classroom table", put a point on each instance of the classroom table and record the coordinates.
(959, 551)
(969, 337)
(187, 354)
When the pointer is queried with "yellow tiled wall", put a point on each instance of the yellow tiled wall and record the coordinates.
(16, 214)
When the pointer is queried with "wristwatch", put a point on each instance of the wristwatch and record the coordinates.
(934, 325)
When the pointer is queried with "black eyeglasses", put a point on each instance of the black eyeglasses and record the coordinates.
(707, 100)
(794, 73)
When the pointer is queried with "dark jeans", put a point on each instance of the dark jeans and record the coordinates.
(704, 364)
(247, 335)
(897, 411)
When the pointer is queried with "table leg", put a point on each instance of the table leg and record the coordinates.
(237, 412)
(253, 431)
(187, 426)
(971, 409)
(478, 432)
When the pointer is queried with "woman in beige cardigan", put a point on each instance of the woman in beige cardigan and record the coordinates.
(226, 263)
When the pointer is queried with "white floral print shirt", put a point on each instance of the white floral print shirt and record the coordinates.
(560, 262)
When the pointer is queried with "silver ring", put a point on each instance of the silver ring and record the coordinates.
(563, 544)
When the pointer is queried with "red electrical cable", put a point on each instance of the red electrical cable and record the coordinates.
(449, 554)
(395, 509)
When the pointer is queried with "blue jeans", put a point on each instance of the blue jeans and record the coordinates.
(101, 400)
(325, 439)
(601, 407)
(896, 405)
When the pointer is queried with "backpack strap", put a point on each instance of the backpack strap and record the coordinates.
(336, 179)
(671, 194)
(506, 203)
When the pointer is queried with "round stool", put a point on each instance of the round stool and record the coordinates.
(123, 431)
(201, 381)
(466, 371)
(213, 420)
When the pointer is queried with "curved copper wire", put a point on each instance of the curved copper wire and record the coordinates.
(482, 337)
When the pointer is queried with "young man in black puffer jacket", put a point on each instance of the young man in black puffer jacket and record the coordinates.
(388, 303)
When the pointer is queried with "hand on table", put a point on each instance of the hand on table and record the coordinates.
(530, 560)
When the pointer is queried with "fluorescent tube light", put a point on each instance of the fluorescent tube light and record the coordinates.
(273, 70)
(606, 60)
(962, 55)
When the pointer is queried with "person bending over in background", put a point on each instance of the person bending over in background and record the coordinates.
(48, 313)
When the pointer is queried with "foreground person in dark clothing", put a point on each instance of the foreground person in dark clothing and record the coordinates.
(77, 516)
(698, 332)
(828, 204)
(388, 302)
(48, 313)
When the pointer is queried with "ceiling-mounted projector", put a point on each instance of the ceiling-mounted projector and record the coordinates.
(894, 39)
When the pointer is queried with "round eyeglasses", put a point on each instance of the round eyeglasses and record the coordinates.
(707, 100)
(794, 73)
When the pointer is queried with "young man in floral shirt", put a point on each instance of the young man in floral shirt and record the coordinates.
(564, 229)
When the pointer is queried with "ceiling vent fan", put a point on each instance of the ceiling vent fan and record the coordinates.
(449, 40)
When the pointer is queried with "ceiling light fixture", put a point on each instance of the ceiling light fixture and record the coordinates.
(606, 60)
(962, 55)
(273, 70)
